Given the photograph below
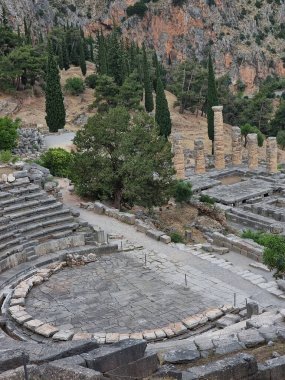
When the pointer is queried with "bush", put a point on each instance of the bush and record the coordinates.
(58, 161)
(182, 191)
(74, 86)
(247, 128)
(281, 138)
(176, 237)
(5, 156)
(138, 8)
(8, 133)
(206, 199)
(91, 80)
(178, 3)
(274, 252)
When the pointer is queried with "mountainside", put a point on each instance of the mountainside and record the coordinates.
(247, 36)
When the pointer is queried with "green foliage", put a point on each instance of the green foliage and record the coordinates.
(182, 191)
(82, 62)
(278, 122)
(139, 9)
(5, 156)
(74, 86)
(162, 114)
(58, 161)
(91, 81)
(281, 138)
(55, 111)
(274, 252)
(123, 160)
(106, 91)
(131, 92)
(8, 133)
(176, 237)
(212, 98)
(206, 199)
(178, 3)
(147, 83)
(247, 128)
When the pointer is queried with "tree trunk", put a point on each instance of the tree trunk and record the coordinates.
(118, 198)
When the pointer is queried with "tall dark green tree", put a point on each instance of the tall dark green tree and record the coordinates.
(115, 59)
(101, 57)
(65, 55)
(55, 111)
(82, 61)
(60, 56)
(148, 100)
(162, 114)
(212, 99)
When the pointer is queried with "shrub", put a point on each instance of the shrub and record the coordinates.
(8, 133)
(182, 191)
(178, 3)
(274, 252)
(247, 128)
(91, 80)
(74, 86)
(206, 199)
(58, 161)
(138, 8)
(176, 237)
(5, 156)
(281, 138)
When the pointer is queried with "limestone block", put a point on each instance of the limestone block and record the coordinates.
(236, 146)
(252, 151)
(219, 137)
(46, 330)
(165, 239)
(250, 338)
(63, 335)
(99, 208)
(33, 324)
(252, 308)
(213, 314)
(11, 178)
(182, 356)
(271, 155)
(200, 165)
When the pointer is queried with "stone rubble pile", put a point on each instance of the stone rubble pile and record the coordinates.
(30, 143)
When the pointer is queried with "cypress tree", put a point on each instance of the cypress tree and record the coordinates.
(65, 55)
(55, 111)
(82, 61)
(162, 114)
(212, 100)
(115, 59)
(60, 56)
(148, 99)
(91, 50)
(101, 58)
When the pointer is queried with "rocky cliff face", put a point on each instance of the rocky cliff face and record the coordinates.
(247, 36)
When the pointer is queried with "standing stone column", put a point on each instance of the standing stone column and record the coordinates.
(178, 159)
(271, 155)
(252, 151)
(200, 165)
(219, 137)
(236, 146)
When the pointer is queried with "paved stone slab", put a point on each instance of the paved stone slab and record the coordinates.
(46, 330)
(250, 338)
(63, 335)
(141, 368)
(181, 356)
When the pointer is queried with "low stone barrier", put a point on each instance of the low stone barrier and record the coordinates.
(128, 218)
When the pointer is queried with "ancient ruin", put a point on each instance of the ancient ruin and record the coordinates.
(200, 165)
(219, 138)
(236, 146)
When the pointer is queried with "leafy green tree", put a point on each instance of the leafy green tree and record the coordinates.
(147, 83)
(55, 111)
(106, 91)
(162, 114)
(74, 86)
(58, 161)
(139, 8)
(101, 57)
(8, 133)
(91, 81)
(182, 191)
(123, 160)
(131, 92)
(212, 99)
(82, 61)
(115, 59)
(281, 138)
(278, 122)
(247, 128)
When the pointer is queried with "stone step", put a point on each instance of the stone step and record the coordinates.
(32, 257)
(20, 206)
(23, 198)
(7, 236)
(29, 188)
(10, 244)
(253, 221)
(36, 211)
(49, 231)
(50, 222)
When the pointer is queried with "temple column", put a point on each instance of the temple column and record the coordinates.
(219, 137)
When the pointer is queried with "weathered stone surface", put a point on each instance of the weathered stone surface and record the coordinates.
(227, 345)
(33, 324)
(275, 368)
(219, 137)
(181, 356)
(250, 338)
(271, 155)
(269, 333)
(63, 335)
(18, 373)
(236, 146)
(106, 358)
(252, 308)
(240, 366)
(165, 239)
(141, 368)
(252, 151)
(154, 234)
(228, 320)
(46, 330)
(200, 165)
(281, 284)
(213, 314)
(10, 359)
